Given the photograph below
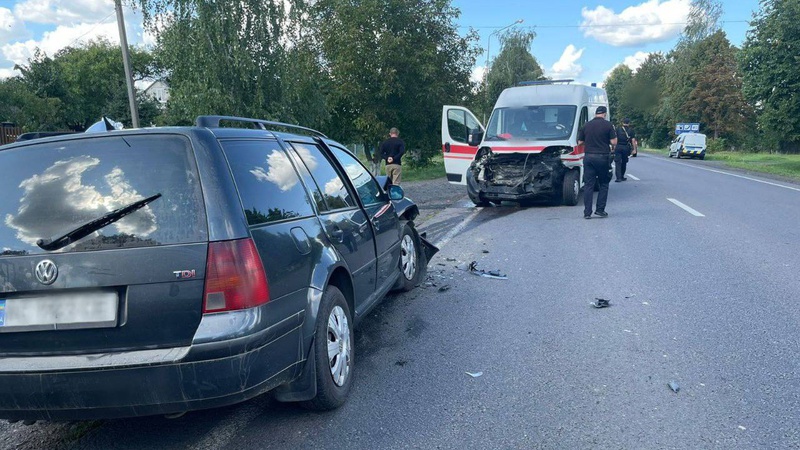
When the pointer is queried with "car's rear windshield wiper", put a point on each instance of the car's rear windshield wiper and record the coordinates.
(96, 224)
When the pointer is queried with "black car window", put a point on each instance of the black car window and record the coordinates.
(334, 189)
(367, 188)
(53, 188)
(311, 185)
(268, 184)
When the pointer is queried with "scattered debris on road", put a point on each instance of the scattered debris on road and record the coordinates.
(485, 251)
(450, 259)
(600, 303)
(446, 287)
(474, 374)
(401, 363)
(674, 386)
(742, 428)
(473, 269)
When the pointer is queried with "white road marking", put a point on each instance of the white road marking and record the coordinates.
(686, 208)
(736, 175)
(633, 177)
(457, 229)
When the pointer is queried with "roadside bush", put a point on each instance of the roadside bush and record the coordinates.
(717, 145)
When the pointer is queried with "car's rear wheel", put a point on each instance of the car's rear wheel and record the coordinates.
(333, 348)
(410, 264)
(571, 188)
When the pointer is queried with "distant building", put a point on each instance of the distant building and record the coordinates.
(159, 91)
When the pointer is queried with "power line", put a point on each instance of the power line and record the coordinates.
(621, 24)
(96, 24)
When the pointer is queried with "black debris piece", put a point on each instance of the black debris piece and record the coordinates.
(446, 287)
(600, 303)
(485, 251)
(473, 269)
(450, 259)
(401, 363)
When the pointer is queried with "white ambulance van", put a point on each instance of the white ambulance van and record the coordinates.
(529, 151)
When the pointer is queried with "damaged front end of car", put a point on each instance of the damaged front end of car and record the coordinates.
(518, 176)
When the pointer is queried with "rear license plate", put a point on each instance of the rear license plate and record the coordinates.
(67, 311)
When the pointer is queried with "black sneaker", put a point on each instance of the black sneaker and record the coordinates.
(587, 216)
(617, 181)
(601, 213)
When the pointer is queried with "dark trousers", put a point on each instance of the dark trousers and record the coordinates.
(621, 155)
(595, 172)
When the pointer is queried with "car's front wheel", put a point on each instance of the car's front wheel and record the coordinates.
(410, 264)
(571, 188)
(333, 349)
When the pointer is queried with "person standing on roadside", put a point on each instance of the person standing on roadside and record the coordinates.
(392, 151)
(625, 145)
(599, 137)
(375, 161)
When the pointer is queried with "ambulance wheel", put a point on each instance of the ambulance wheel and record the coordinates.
(571, 188)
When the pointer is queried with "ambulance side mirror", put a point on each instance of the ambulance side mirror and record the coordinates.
(475, 137)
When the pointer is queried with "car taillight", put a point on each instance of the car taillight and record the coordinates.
(235, 277)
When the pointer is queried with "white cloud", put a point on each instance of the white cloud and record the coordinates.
(567, 66)
(64, 12)
(477, 74)
(62, 36)
(8, 73)
(10, 26)
(651, 21)
(633, 62)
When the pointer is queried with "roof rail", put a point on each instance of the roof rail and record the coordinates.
(213, 122)
(541, 82)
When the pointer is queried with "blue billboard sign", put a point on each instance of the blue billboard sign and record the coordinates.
(687, 128)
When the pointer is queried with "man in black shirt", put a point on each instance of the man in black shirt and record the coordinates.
(392, 151)
(599, 136)
(625, 143)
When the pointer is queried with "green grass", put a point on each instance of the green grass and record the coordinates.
(783, 165)
(432, 171)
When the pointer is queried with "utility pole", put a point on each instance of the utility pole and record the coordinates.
(486, 72)
(126, 60)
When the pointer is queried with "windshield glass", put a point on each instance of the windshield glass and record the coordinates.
(531, 123)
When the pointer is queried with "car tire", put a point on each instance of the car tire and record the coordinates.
(410, 259)
(473, 191)
(702, 157)
(334, 332)
(571, 188)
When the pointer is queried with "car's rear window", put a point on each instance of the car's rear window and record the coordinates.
(52, 188)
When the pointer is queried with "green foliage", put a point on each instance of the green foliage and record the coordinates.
(717, 96)
(768, 62)
(19, 105)
(704, 20)
(716, 145)
(617, 89)
(393, 63)
(513, 64)
(78, 85)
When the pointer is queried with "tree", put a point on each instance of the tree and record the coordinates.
(89, 82)
(717, 97)
(704, 20)
(393, 63)
(646, 98)
(513, 64)
(617, 87)
(771, 81)
(223, 57)
(20, 105)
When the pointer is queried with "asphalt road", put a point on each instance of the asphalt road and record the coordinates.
(708, 302)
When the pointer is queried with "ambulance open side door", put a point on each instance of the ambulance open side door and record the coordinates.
(462, 133)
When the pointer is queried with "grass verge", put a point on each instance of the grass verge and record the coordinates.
(782, 165)
(432, 171)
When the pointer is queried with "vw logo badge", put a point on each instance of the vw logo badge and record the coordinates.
(46, 272)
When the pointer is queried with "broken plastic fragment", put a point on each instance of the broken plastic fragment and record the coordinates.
(473, 269)
(475, 374)
(446, 287)
(674, 386)
(742, 428)
(485, 251)
(449, 259)
(600, 303)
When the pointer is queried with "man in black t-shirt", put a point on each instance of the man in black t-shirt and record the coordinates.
(392, 151)
(599, 136)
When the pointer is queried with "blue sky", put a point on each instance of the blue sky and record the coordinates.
(575, 39)
(591, 28)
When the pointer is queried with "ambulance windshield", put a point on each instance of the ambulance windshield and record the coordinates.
(531, 123)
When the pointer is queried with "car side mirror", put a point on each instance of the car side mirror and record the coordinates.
(475, 138)
(396, 192)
